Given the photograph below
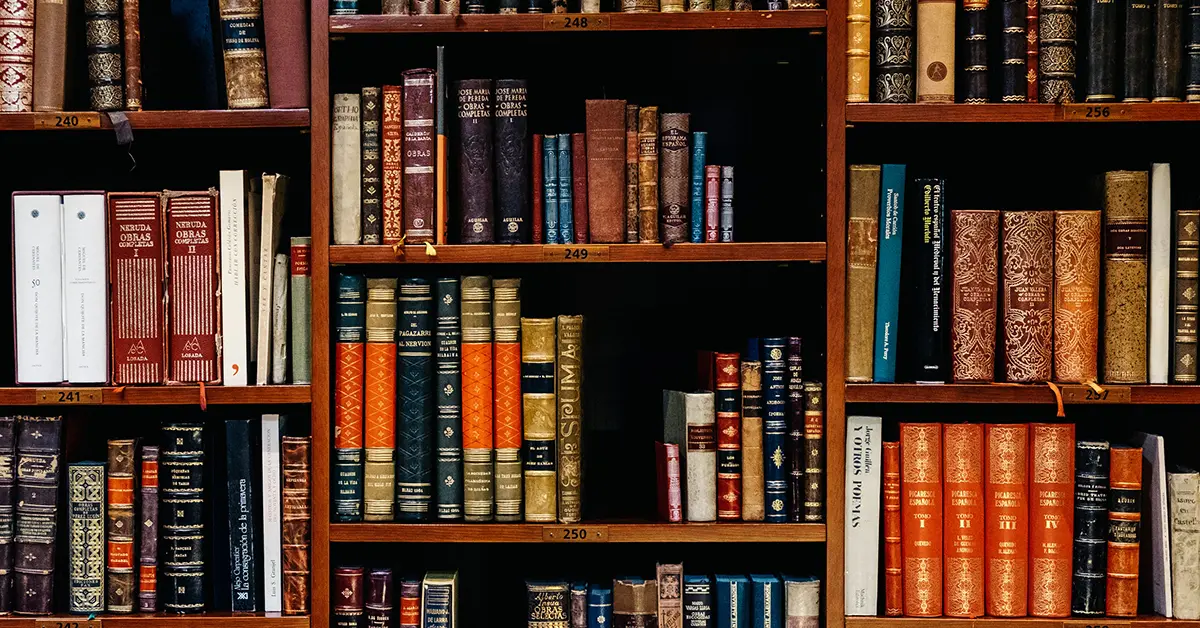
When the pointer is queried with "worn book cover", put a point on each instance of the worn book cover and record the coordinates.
(1056, 51)
(538, 367)
(85, 486)
(893, 563)
(648, 175)
(893, 60)
(245, 58)
(506, 372)
(729, 441)
(1126, 267)
(606, 169)
(477, 388)
(414, 348)
(568, 391)
(120, 529)
(862, 251)
(1090, 547)
(106, 84)
(753, 506)
(1124, 530)
(420, 173)
(379, 402)
(632, 168)
(371, 115)
(347, 169)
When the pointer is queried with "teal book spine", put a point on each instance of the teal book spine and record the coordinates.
(732, 607)
(769, 608)
(448, 484)
(550, 187)
(566, 217)
(699, 154)
(887, 287)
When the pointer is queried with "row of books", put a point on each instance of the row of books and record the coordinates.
(503, 7)
(161, 285)
(1148, 53)
(40, 48)
(1039, 275)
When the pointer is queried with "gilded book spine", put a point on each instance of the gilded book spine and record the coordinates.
(1187, 285)
(814, 453)
(975, 49)
(349, 608)
(138, 350)
(632, 168)
(1126, 253)
(1007, 512)
(893, 583)
(862, 256)
(568, 390)
(775, 474)
(120, 530)
(420, 176)
(182, 497)
(16, 56)
(674, 208)
(1051, 518)
(795, 431)
(1056, 51)
(975, 234)
(297, 522)
(648, 175)
(448, 361)
(753, 507)
(477, 397)
(39, 441)
(712, 203)
(148, 537)
(194, 279)
(935, 51)
(1028, 270)
(85, 485)
(106, 86)
(379, 402)
(372, 166)
(506, 330)
(1124, 530)
(245, 60)
(1012, 51)
(538, 355)
(921, 515)
(391, 161)
(414, 344)
(964, 519)
(1031, 50)
(894, 51)
(858, 55)
(670, 595)
(476, 178)
(1090, 553)
(512, 161)
(350, 310)
(729, 441)
(699, 152)
(1076, 295)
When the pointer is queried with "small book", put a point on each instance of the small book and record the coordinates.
(729, 441)
(279, 320)
(670, 594)
(349, 606)
(301, 315)
(670, 494)
(274, 204)
(39, 442)
(85, 484)
(1124, 530)
(548, 604)
(439, 599)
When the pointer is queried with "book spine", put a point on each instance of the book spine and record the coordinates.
(729, 441)
(930, 344)
(370, 117)
(17, 50)
(195, 280)
(273, 201)
(1056, 54)
(632, 170)
(1012, 51)
(814, 453)
(442, 164)
(349, 606)
(670, 489)
(699, 154)
(803, 600)
(120, 528)
(37, 288)
(893, 570)
(726, 220)
(1031, 50)
(579, 183)
(568, 390)
(512, 161)
(414, 459)
(350, 315)
(775, 475)
(975, 236)
(1139, 45)
(700, 464)
(47, 54)
(1193, 52)
(1028, 271)
(448, 437)
(600, 607)
(286, 34)
(380, 599)
(39, 441)
(85, 484)
(1186, 288)
(858, 54)
(420, 173)
(887, 303)
(862, 258)
(674, 175)
(245, 58)
(566, 196)
(1006, 510)
(301, 279)
(182, 497)
(1168, 51)
(84, 283)
(1051, 518)
(392, 164)
(410, 604)
(697, 602)
(1183, 489)
(476, 177)
(379, 402)
(297, 523)
(235, 319)
(1126, 256)
(279, 320)
(753, 487)
(506, 369)
(1124, 530)
(271, 461)
(604, 173)
(648, 175)
(795, 434)
(550, 187)
(768, 606)
(347, 169)
(670, 594)
(538, 367)
(1159, 312)
(1076, 295)
(438, 601)
(975, 51)
(8, 479)
(862, 477)
(538, 191)
(733, 602)
(106, 86)
(1090, 553)
(635, 602)
(147, 589)
(1102, 32)
(477, 396)
(935, 51)
(548, 604)
(921, 515)
(893, 60)
(712, 203)
(239, 511)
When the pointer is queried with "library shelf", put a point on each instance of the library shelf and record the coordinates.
(1144, 621)
(1020, 393)
(533, 22)
(214, 619)
(1098, 113)
(577, 253)
(591, 532)
(164, 120)
(154, 395)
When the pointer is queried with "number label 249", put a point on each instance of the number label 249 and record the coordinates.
(568, 253)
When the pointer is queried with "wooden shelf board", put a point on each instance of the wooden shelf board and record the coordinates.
(549, 253)
(1144, 621)
(1012, 112)
(201, 620)
(196, 119)
(166, 395)
(1003, 393)
(618, 532)
(710, 20)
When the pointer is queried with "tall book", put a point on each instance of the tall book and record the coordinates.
(921, 517)
(297, 523)
(194, 323)
(235, 358)
(858, 42)
(120, 529)
(448, 473)
(512, 161)
(568, 392)
(697, 602)
(1183, 489)
(271, 459)
(963, 540)
(1090, 546)
(371, 115)
(1051, 518)
(632, 170)
(347, 169)
(1186, 292)
(670, 594)
(420, 174)
(182, 497)
(975, 236)
(1007, 513)
(8, 485)
(439, 599)
(538, 367)
(732, 603)
(1028, 271)
(301, 289)
(285, 32)
(39, 441)
(477, 397)
(674, 177)
(862, 260)
(1192, 47)
(147, 590)
(240, 513)
(106, 85)
(927, 237)
(279, 320)
(935, 51)
(1076, 295)
(795, 431)
(893, 570)
(1126, 217)
(349, 351)
(476, 177)
(274, 203)
(548, 604)
(48, 55)
(137, 274)
(1012, 51)
(1155, 526)
(566, 192)
(775, 469)
(379, 605)
(648, 175)
(699, 154)
(1056, 51)
(814, 453)
(887, 290)
(349, 606)
(549, 169)
(729, 441)
(442, 154)
(975, 51)
(414, 347)
(392, 164)
(1160, 267)
(606, 169)
(768, 610)
(1103, 30)
(753, 487)
(635, 602)
(85, 486)
(37, 288)
(506, 407)
(864, 434)
(245, 58)
(84, 284)
(1138, 51)
(579, 185)
(1124, 530)
(379, 402)
(893, 60)
(696, 413)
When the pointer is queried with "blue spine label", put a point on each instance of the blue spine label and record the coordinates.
(550, 187)
(241, 33)
(566, 219)
(699, 150)
(887, 288)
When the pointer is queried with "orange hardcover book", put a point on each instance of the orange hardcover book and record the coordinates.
(380, 403)
(964, 521)
(1006, 507)
(921, 517)
(1051, 518)
(348, 396)
(893, 587)
(1124, 523)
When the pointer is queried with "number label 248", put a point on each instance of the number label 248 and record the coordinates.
(574, 23)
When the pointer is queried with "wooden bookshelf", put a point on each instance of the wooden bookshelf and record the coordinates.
(551, 22)
(164, 120)
(139, 620)
(1019, 622)
(1022, 112)
(579, 253)
(598, 532)
(1017, 393)
(154, 395)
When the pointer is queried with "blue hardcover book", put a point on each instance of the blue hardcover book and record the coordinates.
(599, 607)
(769, 609)
(414, 350)
(775, 468)
(697, 602)
(350, 320)
(439, 600)
(887, 287)
(566, 219)
(448, 435)
(699, 150)
(550, 187)
(731, 602)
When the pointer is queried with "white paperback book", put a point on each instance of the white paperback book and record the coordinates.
(234, 317)
(272, 509)
(37, 287)
(1156, 518)
(1183, 489)
(279, 321)
(273, 203)
(85, 288)
(347, 169)
(864, 446)
(1161, 228)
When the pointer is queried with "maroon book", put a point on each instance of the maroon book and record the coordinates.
(670, 491)
(194, 279)
(537, 189)
(580, 185)
(285, 27)
(136, 274)
(419, 184)
(712, 203)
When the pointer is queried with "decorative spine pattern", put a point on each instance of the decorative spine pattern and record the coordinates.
(1051, 518)
(814, 452)
(372, 166)
(182, 497)
(1012, 51)
(379, 402)
(16, 56)
(448, 437)
(148, 556)
(506, 375)
(753, 507)
(568, 391)
(775, 475)
(858, 55)
(1007, 514)
(39, 441)
(414, 460)
(391, 161)
(350, 307)
(975, 66)
(1076, 294)
(245, 58)
(195, 277)
(648, 175)
(964, 522)
(632, 168)
(297, 523)
(674, 208)
(85, 486)
(106, 84)
(1056, 54)
(1187, 285)
(477, 397)
(1028, 294)
(729, 442)
(538, 367)
(921, 514)
(120, 529)
(1031, 50)
(975, 235)
(895, 77)
(1124, 530)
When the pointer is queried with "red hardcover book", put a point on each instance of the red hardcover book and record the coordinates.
(420, 178)
(136, 270)
(537, 189)
(921, 517)
(393, 169)
(1007, 512)
(1124, 530)
(670, 492)
(579, 183)
(729, 436)
(1028, 294)
(195, 277)
(964, 529)
(893, 587)
(1051, 518)
(712, 203)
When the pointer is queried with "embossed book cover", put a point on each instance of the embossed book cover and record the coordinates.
(1028, 297)
(921, 514)
(974, 235)
(1006, 510)
(1051, 518)
(1076, 295)
(964, 520)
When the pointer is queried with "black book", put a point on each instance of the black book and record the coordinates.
(1193, 51)
(1168, 51)
(372, 166)
(975, 52)
(1090, 556)
(698, 602)
(448, 434)
(39, 441)
(512, 162)
(1099, 50)
(894, 57)
(8, 478)
(181, 495)
(1013, 49)
(476, 179)
(1139, 33)
(928, 304)
(240, 437)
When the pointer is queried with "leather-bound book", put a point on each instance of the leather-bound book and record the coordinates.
(579, 593)
(297, 523)
(106, 85)
(512, 161)
(1090, 553)
(635, 603)
(85, 587)
(477, 397)
(670, 485)
(538, 192)
(893, 579)
(975, 51)
(372, 166)
(138, 292)
(120, 529)
(1076, 295)
(921, 517)
(712, 203)
(729, 441)
(935, 51)
(795, 430)
(548, 604)
(927, 237)
(448, 473)
(439, 597)
(379, 403)
(393, 7)
(814, 453)
(1006, 510)
(349, 352)
(648, 175)
(147, 590)
(8, 480)
(182, 496)
(476, 177)
(699, 156)
(858, 54)
(424, 7)
(1124, 530)
(974, 235)
(194, 286)
(549, 168)
(753, 505)
(39, 441)
(379, 606)
(506, 376)
(1012, 51)
(16, 55)
(1028, 297)
(566, 189)
(606, 170)
(349, 603)
(964, 519)
(245, 57)
(670, 594)
(726, 223)
(1031, 50)
(1168, 51)
(1100, 50)
(538, 365)
(675, 178)
(1186, 287)
(391, 164)
(240, 524)
(1182, 491)
(347, 169)
(414, 346)
(579, 185)
(1051, 518)
(697, 602)
(1138, 50)
(286, 32)
(568, 391)
(48, 53)
(775, 473)
(1056, 51)
(420, 178)
(1192, 48)
(410, 604)
(1126, 253)
(894, 60)
(862, 255)
(632, 169)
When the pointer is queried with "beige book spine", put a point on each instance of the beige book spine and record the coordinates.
(753, 487)
(1126, 264)
(862, 252)
(49, 55)
(538, 353)
(935, 51)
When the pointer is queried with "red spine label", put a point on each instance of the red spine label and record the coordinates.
(136, 275)
(301, 264)
(192, 237)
